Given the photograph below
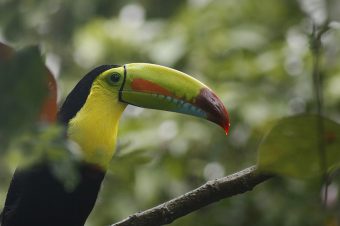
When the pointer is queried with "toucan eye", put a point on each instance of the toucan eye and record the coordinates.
(115, 77)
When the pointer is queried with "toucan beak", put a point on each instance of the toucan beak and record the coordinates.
(162, 88)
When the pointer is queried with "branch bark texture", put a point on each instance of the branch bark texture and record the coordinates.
(210, 192)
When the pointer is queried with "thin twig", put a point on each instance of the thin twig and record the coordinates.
(317, 85)
(210, 192)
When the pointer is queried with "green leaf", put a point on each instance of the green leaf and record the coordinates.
(22, 91)
(291, 148)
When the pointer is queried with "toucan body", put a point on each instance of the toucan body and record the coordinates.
(91, 114)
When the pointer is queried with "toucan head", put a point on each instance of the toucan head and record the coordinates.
(149, 86)
(93, 108)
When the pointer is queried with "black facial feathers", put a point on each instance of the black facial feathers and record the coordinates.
(77, 97)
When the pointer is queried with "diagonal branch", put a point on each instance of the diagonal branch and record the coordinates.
(212, 191)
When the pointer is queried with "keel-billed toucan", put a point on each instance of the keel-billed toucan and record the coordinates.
(91, 113)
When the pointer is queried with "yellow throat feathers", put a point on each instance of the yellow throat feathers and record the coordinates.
(95, 126)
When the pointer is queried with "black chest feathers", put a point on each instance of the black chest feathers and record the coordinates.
(36, 197)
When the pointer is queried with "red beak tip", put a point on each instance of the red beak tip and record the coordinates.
(226, 128)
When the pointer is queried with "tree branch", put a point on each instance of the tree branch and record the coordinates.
(210, 192)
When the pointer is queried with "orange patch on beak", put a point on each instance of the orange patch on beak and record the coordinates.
(143, 85)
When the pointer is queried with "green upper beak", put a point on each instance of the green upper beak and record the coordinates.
(159, 87)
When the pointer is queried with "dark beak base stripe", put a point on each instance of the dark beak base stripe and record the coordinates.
(120, 94)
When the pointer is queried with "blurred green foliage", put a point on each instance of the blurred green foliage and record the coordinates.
(292, 147)
(254, 54)
(22, 85)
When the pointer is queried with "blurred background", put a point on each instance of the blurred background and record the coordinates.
(254, 54)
